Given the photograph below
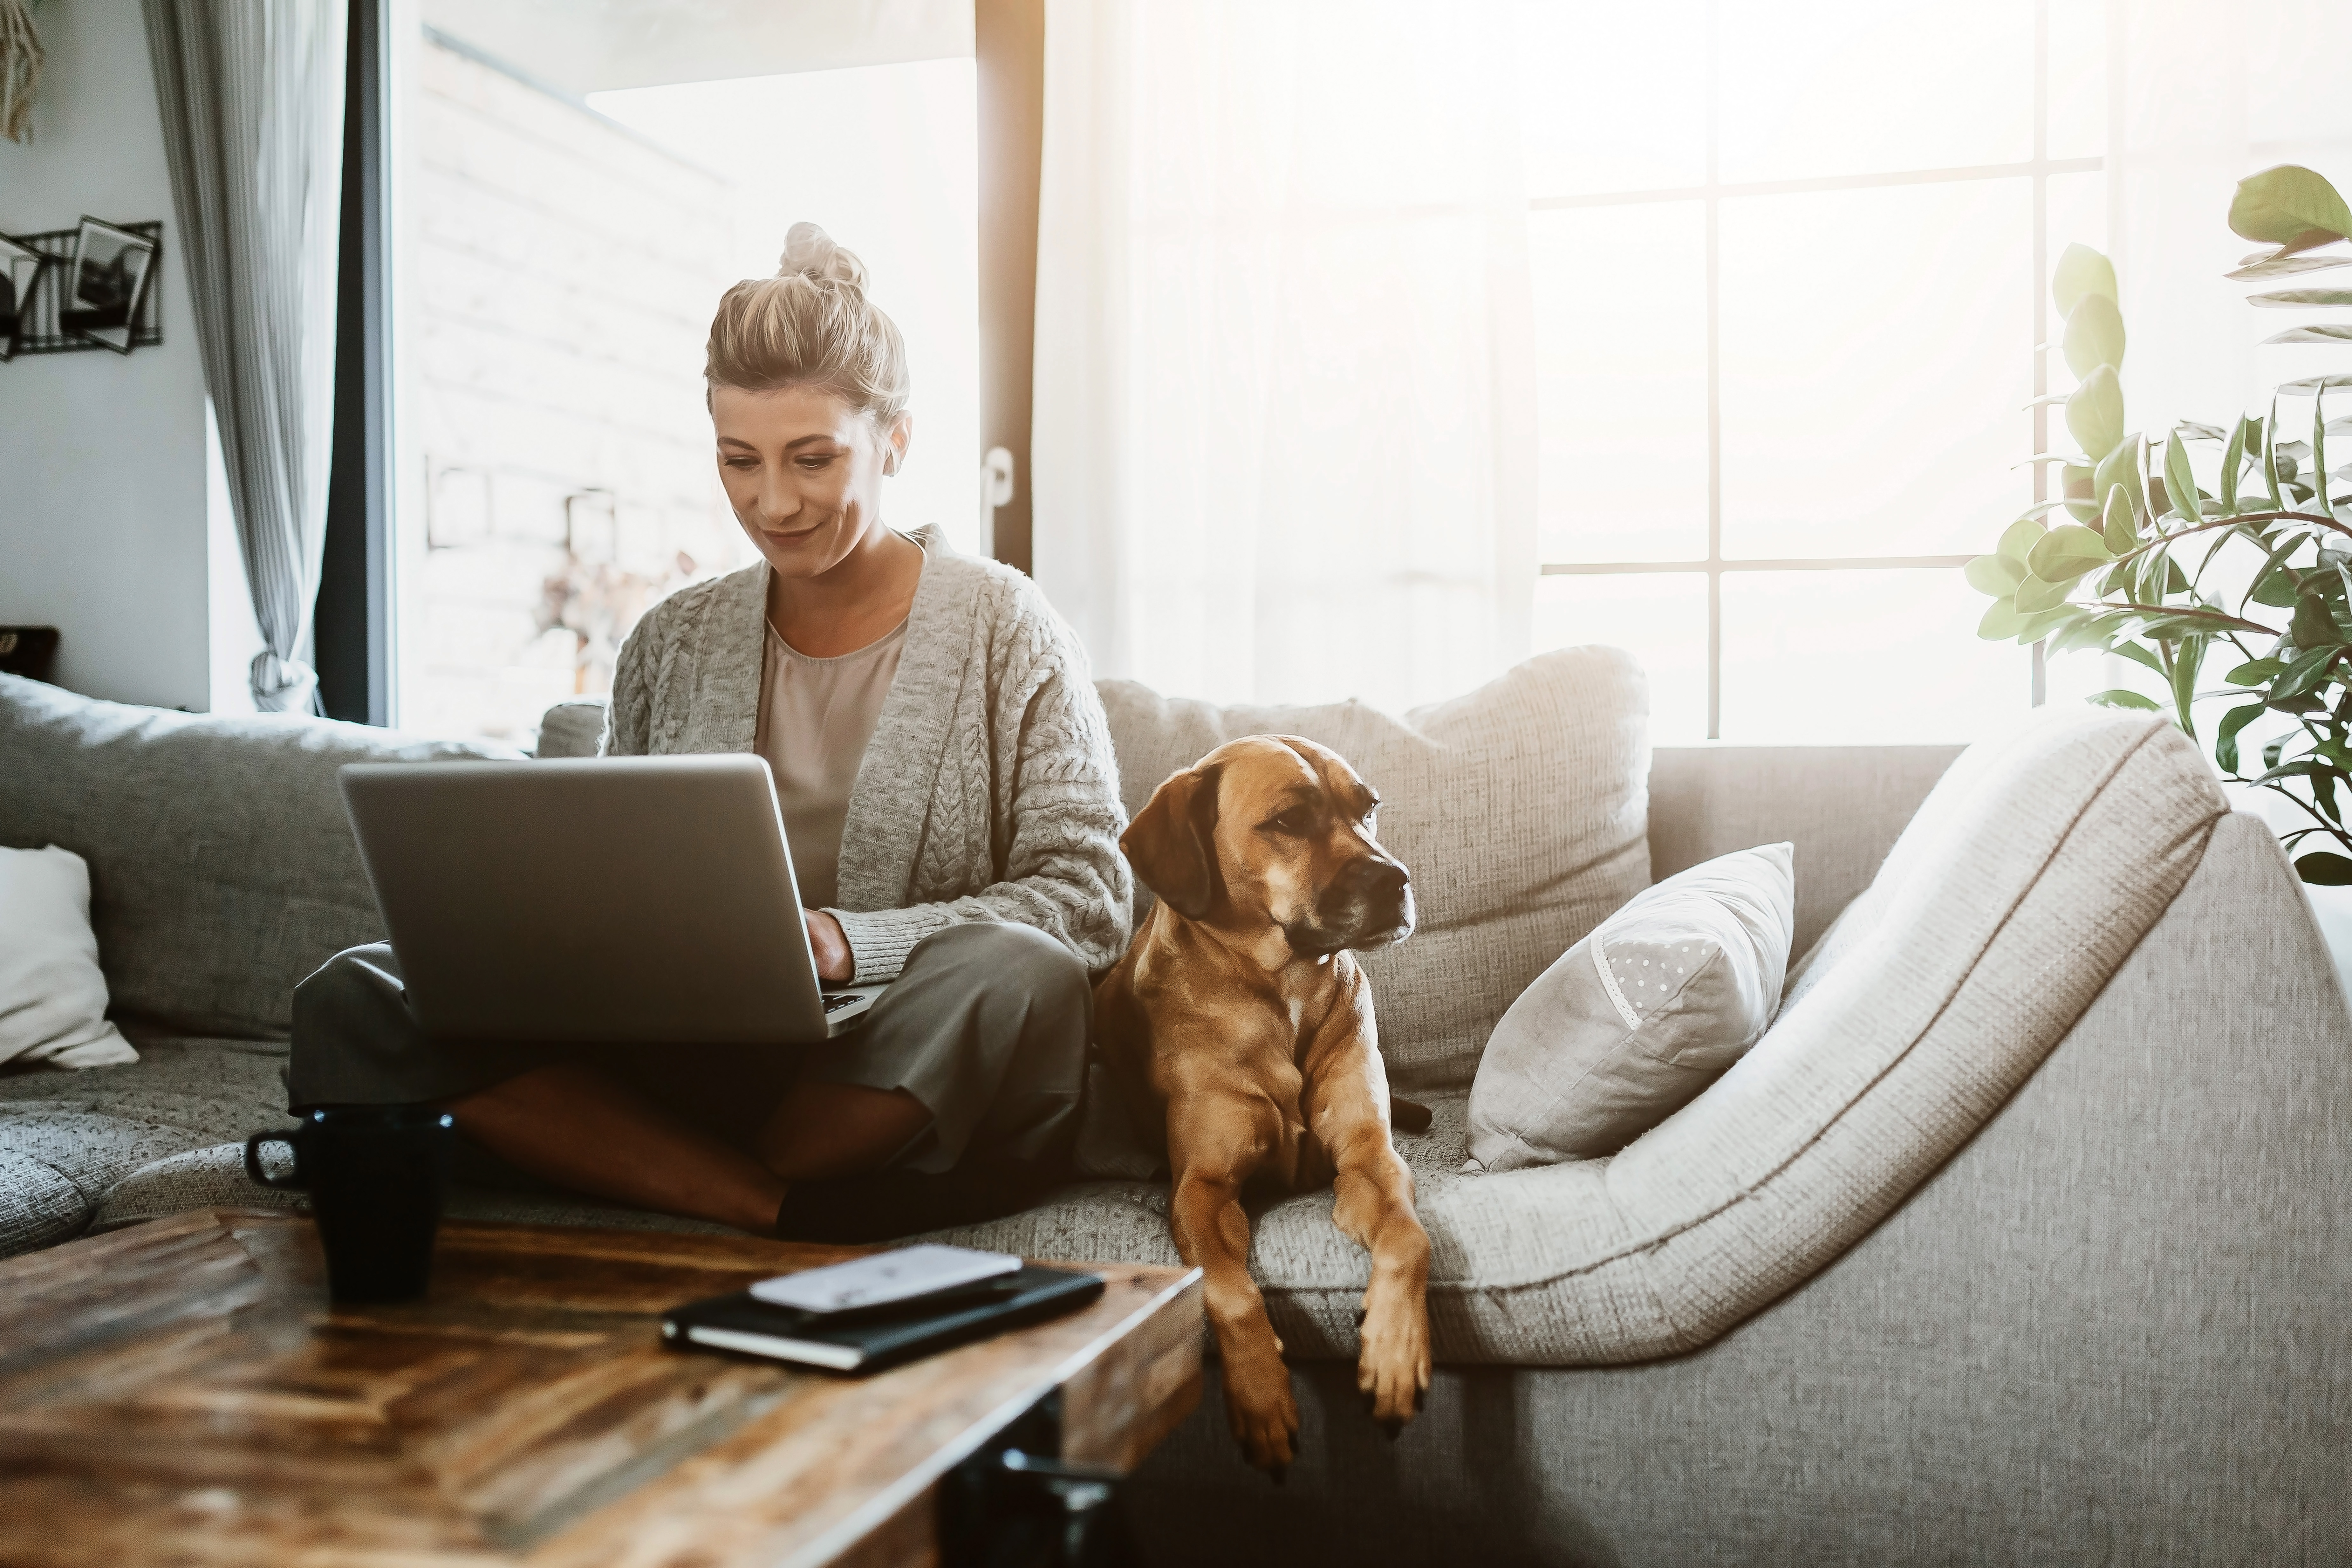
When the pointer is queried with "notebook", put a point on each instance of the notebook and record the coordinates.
(874, 1338)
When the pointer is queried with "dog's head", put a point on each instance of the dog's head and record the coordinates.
(1274, 830)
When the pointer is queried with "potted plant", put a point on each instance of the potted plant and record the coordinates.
(2246, 580)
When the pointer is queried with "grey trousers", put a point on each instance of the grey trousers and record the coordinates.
(986, 1028)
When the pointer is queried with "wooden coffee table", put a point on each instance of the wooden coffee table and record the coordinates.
(181, 1391)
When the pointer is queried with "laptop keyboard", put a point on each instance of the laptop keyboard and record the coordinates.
(835, 1004)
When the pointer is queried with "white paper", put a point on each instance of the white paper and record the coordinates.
(884, 1278)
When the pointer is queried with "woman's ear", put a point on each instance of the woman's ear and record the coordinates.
(1171, 843)
(894, 442)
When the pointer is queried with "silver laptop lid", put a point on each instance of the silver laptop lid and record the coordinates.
(611, 900)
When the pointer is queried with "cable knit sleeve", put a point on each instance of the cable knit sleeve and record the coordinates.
(628, 715)
(1060, 818)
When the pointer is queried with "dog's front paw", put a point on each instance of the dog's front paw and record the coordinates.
(1265, 1417)
(1392, 1372)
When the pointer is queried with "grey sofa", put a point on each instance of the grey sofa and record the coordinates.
(2066, 1277)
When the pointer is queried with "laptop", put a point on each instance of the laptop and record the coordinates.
(644, 901)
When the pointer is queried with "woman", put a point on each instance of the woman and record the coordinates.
(951, 803)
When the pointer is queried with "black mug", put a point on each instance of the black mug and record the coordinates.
(377, 1175)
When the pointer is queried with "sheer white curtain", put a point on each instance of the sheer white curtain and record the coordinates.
(251, 96)
(1284, 394)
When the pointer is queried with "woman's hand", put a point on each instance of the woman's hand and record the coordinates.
(835, 962)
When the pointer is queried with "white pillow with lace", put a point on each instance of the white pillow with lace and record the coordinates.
(1632, 1022)
(52, 994)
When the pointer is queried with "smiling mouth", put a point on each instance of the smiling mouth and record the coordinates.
(791, 536)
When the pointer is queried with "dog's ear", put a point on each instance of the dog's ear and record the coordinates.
(1170, 842)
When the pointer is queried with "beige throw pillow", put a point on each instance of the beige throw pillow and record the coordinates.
(52, 996)
(1522, 810)
(1632, 1022)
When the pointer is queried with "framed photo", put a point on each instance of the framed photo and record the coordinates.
(20, 275)
(106, 284)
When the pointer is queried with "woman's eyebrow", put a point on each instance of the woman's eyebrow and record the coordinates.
(805, 440)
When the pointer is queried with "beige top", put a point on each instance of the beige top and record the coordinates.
(815, 717)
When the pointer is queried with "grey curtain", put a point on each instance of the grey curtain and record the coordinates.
(252, 100)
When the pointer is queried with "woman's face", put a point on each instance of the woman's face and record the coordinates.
(804, 471)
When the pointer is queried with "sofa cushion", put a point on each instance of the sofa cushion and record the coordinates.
(2029, 874)
(571, 729)
(52, 992)
(1635, 1020)
(221, 867)
(1522, 809)
(69, 1140)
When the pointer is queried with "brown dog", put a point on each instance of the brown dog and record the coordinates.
(1240, 1021)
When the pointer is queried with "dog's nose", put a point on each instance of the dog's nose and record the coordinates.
(1378, 880)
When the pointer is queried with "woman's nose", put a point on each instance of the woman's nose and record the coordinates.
(780, 499)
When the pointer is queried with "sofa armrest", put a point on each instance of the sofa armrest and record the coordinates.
(1841, 807)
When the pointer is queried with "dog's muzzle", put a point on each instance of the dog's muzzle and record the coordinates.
(1368, 904)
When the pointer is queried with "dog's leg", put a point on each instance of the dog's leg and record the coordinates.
(1346, 1106)
(1216, 1141)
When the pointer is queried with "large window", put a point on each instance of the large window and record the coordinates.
(577, 193)
(1787, 344)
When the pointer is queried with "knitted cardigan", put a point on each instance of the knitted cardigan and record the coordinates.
(988, 791)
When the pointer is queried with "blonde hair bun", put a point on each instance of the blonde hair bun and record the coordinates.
(809, 325)
(810, 252)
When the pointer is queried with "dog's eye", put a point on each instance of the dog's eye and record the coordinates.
(1293, 821)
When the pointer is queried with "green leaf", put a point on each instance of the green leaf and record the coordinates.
(2319, 450)
(2082, 271)
(2116, 526)
(2278, 266)
(2037, 627)
(2324, 868)
(2094, 414)
(2095, 335)
(2306, 672)
(2200, 432)
(2122, 467)
(1998, 575)
(2312, 628)
(2271, 457)
(2137, 655)
(2225, 739)
(2065, 554)
(2074, 484)
(2180, 479)
(2253, 673)
(2319, 383)
(2018, 539)
(2001, 622)
(2332, 332)
(2117, 697)
(2185, 659)
(2276, 583)
(2088, 631)
(2036, 595)
(2233, 457)
(2281, 298)
(2291, 207)
(2301, 768)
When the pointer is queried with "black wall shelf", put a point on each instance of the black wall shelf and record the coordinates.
(41, 334)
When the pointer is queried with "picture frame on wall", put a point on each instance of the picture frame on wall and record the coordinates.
(106, 284)
(20, 277)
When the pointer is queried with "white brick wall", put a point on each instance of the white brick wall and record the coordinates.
(565, 273)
